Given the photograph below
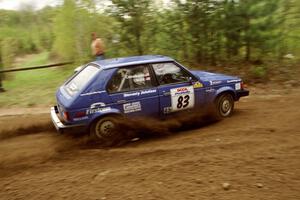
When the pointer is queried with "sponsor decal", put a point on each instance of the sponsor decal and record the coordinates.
(215, 82)
(182, 90)
(97, 105)
(96, 108)
(132, 107)
(198, 85)
(167, 110)
(132, 94)
(182, 98)
(210, 90)
(150, 91)
(234, 81)
(80, 118)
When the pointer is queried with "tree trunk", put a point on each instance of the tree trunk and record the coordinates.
(138, 43)
(248, 39)
(248, 50)
(1, 87)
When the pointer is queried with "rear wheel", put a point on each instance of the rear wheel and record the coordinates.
(224, 106)
(105, 130)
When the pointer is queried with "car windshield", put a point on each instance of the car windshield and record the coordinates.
(77, 83)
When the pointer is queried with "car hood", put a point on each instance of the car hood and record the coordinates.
(209, 78)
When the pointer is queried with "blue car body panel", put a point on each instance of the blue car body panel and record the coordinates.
(94, 101)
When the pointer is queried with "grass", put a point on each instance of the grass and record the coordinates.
(34, 87)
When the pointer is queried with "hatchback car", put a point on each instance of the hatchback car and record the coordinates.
(141, 86)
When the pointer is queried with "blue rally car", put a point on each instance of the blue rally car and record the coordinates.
(141, 86)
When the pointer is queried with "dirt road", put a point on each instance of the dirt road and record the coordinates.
(255, 154)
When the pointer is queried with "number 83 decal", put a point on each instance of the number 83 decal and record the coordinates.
(183, 101)
(182, 98)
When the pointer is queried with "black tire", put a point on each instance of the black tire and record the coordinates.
(223, 106)
(106, 131)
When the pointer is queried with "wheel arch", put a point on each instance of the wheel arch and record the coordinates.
(95, 118)
(225, 90)
(214, 112)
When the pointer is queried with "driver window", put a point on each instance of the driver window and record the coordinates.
(130, 78)
(168, 73)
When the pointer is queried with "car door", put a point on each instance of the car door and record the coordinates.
(178, 89)
(132, 91)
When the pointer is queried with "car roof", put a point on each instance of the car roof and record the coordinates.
(133, 60)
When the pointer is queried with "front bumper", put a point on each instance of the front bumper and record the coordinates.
(242, 93)
(59, 125)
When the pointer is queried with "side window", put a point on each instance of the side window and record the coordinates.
(168, 73)
(130, 78)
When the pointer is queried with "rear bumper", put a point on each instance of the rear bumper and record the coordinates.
(242, 93)
(59, 125)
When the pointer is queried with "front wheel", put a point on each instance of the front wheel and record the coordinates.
(224, 105)
(105, 130)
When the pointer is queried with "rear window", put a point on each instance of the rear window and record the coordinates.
(77, 83)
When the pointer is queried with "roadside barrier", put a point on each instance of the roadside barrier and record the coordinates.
(35, 67)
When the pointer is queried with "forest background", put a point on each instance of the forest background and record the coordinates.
(256, 39)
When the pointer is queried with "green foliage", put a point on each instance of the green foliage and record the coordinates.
(31, 29)
(34, 60)
(210, 32)
(73, 25)
(65, 31)
(37, 87)
(259, 23)
(134, 17)
(207, 32)
(258, 71)
(169, 36)
(290, 29)
(8, 53)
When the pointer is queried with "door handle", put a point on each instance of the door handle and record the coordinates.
(122, 101)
